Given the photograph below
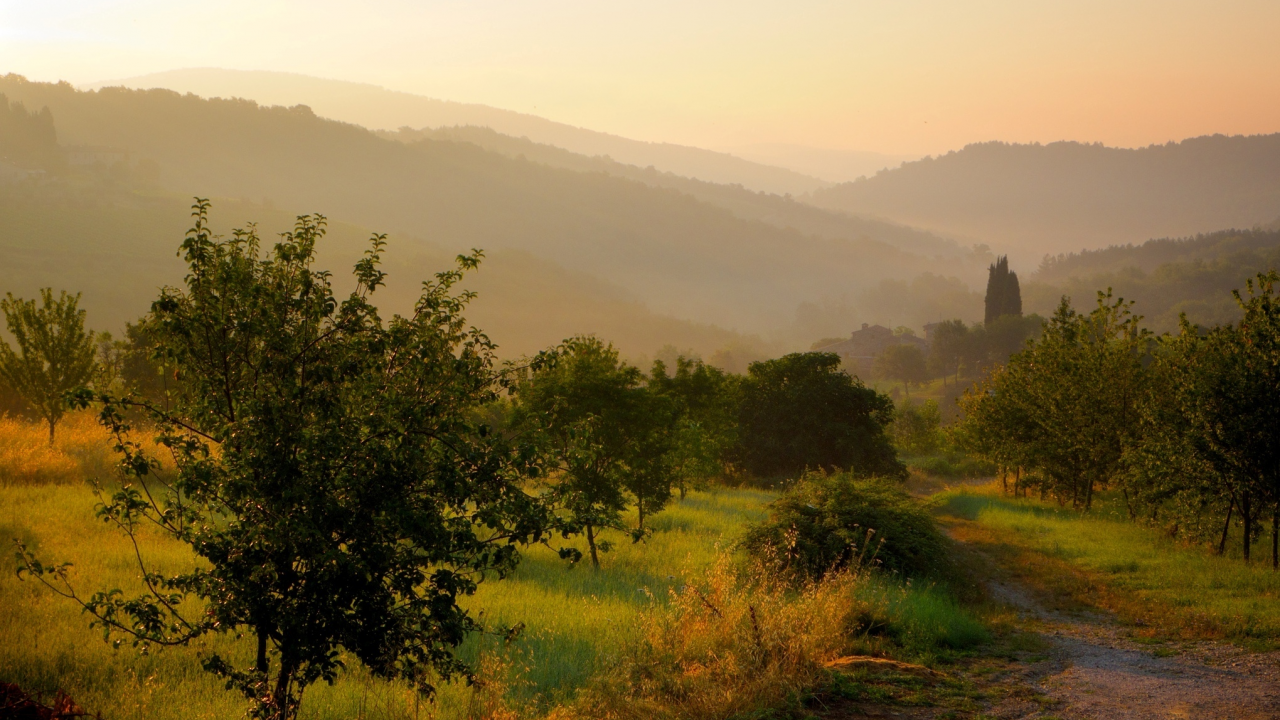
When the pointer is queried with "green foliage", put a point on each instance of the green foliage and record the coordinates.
(802, 412)
(705, 426)
(1169, 277)
(947, 350)
(326, 469)
(917, 429)
(55, 353)
(827, 522)
(1065, 409)
(605, 431)
(1211, 422)
(1004, 295)
(904, 363)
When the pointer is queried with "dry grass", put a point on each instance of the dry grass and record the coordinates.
(81, 451)
(735, 641)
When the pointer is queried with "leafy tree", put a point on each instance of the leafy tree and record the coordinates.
(594, 412)
(326, 466)
(1067, 405)
(1004, 295)
(55, 353)
(705, 401)
(1212, 427)
(916, 429)
(946, 351)
(801, 411)
(904, 363)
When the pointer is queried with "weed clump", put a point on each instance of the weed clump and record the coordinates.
(831, 522)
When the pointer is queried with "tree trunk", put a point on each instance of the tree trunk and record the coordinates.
(1088, 496)
(261, 665)
(1226, 527)
(591, 543)
(53, 424)
(1275, 538)
(281, 703)
(640, 508)
(1247, 517)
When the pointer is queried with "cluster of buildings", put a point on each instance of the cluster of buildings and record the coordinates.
(863, 346)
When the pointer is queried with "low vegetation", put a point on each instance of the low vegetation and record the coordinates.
(1164, 587)
(827, 523)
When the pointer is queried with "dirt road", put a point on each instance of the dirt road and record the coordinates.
(1087, 665)
(1093, 669)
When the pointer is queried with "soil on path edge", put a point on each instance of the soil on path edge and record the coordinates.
(1088, 665)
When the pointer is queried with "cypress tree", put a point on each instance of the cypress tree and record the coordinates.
(1004, 294)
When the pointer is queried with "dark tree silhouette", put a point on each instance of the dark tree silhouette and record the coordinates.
(1004, 295)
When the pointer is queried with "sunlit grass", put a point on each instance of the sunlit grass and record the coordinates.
(577, 620)
(1159, 580)
(573, 615)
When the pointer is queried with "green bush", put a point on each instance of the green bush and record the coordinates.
(826, 522)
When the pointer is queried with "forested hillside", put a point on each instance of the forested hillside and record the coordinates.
(375, 107)
(119, 248)
(1166, 277)
(1060, 197)
(677, 254)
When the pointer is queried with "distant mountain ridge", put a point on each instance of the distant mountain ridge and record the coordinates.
(377, 108)
(1048, 199)
(679, 255)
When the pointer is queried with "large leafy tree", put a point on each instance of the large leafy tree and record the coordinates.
(326, 466)
(604, 429)
(705, 403)
(903, 363)
(1067, 405)
(946, 351)
(55, 353)
(1211, 427)
(802, 411)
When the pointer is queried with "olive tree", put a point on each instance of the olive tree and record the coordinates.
(327, 467)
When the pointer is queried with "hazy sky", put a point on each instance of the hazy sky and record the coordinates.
(898, 76)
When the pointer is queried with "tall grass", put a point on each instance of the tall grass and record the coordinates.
(736, 640)
(578, 621)
(1168, 582)
(80, 450)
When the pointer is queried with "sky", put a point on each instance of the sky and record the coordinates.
(907, 77)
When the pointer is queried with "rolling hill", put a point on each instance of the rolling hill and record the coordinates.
(119, 248)
(1166, 277)
(680, 256)
(1048, 199)
(378, 108)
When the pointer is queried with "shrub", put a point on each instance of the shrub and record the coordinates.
(740, 642)
(916, 429)
(828, 522)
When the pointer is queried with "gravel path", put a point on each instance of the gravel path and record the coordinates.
(1093, 670)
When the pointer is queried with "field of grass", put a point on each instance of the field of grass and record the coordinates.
(1168, 588)
(578, 621)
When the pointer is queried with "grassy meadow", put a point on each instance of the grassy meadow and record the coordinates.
(579, 623)
(1166, 587)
